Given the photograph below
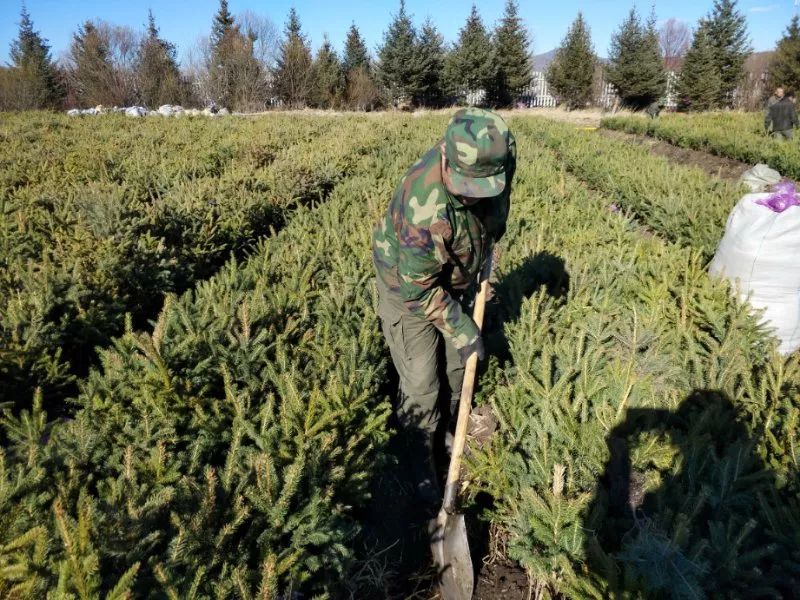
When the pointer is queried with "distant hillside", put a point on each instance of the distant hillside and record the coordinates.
(541, 62)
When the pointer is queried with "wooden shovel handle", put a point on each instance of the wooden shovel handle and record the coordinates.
(465, 403)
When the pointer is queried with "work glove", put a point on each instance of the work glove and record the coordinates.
(475, 346)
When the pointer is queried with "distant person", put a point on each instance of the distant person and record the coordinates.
(781, 118)
(776, 97)
(655, 108)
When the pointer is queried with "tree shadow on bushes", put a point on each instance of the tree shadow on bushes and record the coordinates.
(543, 270)
(395, 559)
(687, 509)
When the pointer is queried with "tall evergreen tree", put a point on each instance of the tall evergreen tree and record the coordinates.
(222, 25)
(699, 82)
(293, 74)
(159, 79)
(784, 68)
(355, 51)
(92, 72)
(727, 32)
(399, 68)
(30, 58)
(431, 57)
(571, 74)
(469, 66)
(512, 61)
(236, 78)
(327, 77)
(636, 67)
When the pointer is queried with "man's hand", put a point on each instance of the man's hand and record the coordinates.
(475, 346)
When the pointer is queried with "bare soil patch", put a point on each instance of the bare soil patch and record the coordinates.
(505, 580)
(715, 166)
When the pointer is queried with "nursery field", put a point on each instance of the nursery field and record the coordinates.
(735, 135)
(196, 394)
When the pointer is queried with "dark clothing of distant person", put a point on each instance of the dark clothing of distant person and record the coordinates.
(781, 119)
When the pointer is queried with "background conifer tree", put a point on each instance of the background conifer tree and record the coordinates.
(92, 69)
(699, 82)
(355, 51)
(223, 24)
(470, 64)
(636, 67)
(159, 79)
(293, 74)
(399, 66)
(38, 84)
(327, 78)
(432, 55)
(727, 32)
(571, 73)
(512, 61)
(237, 80)
(784, 69)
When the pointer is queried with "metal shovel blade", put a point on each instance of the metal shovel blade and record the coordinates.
(451, 555)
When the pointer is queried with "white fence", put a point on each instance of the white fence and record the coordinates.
(537, 94)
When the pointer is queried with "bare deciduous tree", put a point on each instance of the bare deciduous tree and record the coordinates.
(674, 38)
(265, 36)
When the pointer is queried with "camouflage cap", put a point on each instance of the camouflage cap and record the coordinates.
(476, 149)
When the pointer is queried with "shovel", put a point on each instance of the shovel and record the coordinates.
(448, 531)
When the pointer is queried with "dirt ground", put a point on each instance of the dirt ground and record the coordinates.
(715, 166)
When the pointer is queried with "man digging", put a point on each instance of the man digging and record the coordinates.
(446, 214)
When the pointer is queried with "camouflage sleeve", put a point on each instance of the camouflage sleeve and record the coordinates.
(422, 256)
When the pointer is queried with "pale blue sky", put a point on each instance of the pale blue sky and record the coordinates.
(183, 21)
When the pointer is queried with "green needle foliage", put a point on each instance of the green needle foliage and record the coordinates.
(223, 451)
(735, 135)
(700, 83)
(103, 225)
(512, 60)
(37, 84)
(470, 64)
(636, 67)
(785, 66)
(727, 33)
(571, 73)
(225, 446)
(399, 68)
(635, 382)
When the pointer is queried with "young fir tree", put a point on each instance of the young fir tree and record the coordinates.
(157, 68)
(355, 51)
(571, 74)
(727, 32)
(431, 57)
(30, 58)
(699, 82)
(227, 58)
(93, 71)
(512, 62)
(636, 67)
(293, 73)
(327, 78)
(223, 24)
(399, 67)
(470, 64)
(784, 68)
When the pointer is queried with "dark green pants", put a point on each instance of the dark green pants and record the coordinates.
(430, 373)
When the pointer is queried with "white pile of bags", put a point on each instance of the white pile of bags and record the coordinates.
(760, 250)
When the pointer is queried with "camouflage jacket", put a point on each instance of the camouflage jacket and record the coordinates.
(430, 247)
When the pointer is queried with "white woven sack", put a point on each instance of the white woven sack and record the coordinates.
(759, 253)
